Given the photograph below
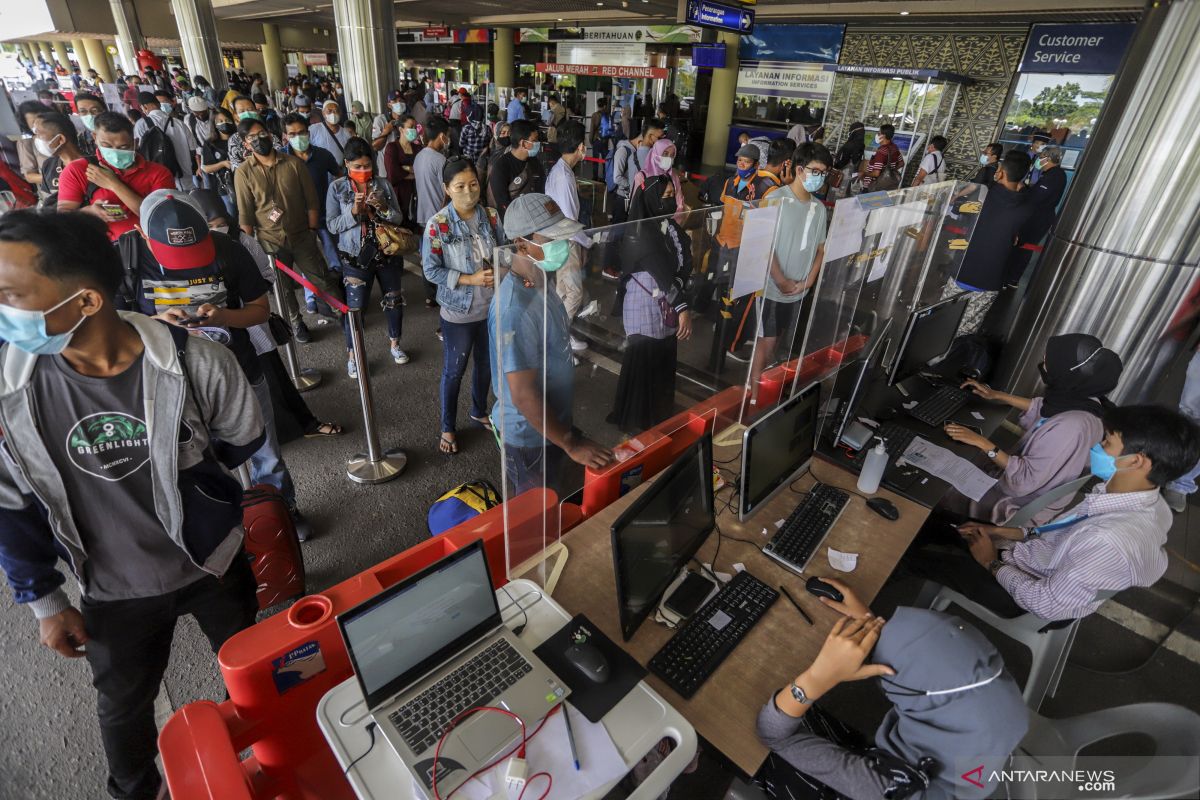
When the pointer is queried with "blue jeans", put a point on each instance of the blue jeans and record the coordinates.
(358, 290)
(528, 468)
(461, 339)
(329, 248)
(1189, 405)
(267, 465)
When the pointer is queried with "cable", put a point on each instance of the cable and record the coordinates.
(549, 784)
(517, 631)
(370, 730)
(521, 746)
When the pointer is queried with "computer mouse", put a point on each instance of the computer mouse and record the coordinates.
(883, 508)
(590, 661)
(820, 588)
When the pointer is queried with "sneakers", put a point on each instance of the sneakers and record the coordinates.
(610, 274)
(398, 355)
(578, 345)
(742, 357)
(592, 309)
(300, 331)
(311, 305)
(352, 369)
(303, 526)
(1176, 501)
(438, 333)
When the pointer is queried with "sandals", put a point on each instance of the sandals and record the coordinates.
(485, 422)
(448, 446)
(323, 429)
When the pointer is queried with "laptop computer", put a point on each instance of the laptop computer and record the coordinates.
(433, 646)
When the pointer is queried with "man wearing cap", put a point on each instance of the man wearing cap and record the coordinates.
(329, 132)
(179, 272)
(385, 128)
(534, 376)
(116, 452)
(157, 109)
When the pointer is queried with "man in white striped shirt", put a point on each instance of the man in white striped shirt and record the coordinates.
(1111, 541)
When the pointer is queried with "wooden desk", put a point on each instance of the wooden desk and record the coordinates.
(725, 709)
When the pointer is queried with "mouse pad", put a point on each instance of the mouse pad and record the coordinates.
(593, 700)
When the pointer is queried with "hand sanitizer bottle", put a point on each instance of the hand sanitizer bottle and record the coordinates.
(873, 467)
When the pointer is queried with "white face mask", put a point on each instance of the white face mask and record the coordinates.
(43, 147)
(665, 162)
(221, 228)
(333, 118)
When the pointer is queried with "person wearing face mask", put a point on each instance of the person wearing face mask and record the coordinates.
(1060, 426)
(519, 170)
(277, 202)
(886, 166)
(656, 263)
(89, 107)
(850, 155)
(933, 165)
(54, 138)
(989, 159)
(533, 377)
(360, 121)
(1039, 142)
(1113, 540)
(951, 701)
(177, 154)
(243, 109)
(112, 188)
(199, 121)
(1044, 197)
(214, 159)
(384, 130)
(399, 156)
(456, 256)
(563, 189)
(117, 457)
(661, 161)
(329, 132)
(30, 160)
(322, 168)
(354, 206)
(268, 115)
(475, 136)
(797, 256)
(499, 144)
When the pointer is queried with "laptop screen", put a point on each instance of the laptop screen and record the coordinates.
(399, 635)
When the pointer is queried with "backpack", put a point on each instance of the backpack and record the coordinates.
(606, 126)
(610, 165)
(156, 146)
(463, 502)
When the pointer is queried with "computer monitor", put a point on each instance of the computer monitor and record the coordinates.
(660, 532)
(868, 363)
(777, 448)
(928, 335)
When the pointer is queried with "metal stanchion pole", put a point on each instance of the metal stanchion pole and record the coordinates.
(304, 378)
(375, 465)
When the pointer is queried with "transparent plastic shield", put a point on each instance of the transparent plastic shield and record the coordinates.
(886, 255)
(608, 367)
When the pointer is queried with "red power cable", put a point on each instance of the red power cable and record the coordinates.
(521, 747)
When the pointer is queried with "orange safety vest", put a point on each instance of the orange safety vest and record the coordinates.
(732, 217)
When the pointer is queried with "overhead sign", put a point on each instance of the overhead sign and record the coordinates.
(615, 53)
(771, 42)
(603, 70)
(898, 72)
(650, 34)
(708, 14)
(784, 79)
(444, 35)
(437, 31)
(1090, 49)
(316, 59)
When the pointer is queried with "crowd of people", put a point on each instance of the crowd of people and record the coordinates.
(141, 365)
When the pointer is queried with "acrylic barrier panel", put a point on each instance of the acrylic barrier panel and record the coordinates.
(645, 330)
(887, 256)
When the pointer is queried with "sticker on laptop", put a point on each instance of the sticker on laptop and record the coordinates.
(300, 665)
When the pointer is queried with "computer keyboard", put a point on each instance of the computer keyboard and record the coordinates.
(945, 402)
(801, 533)
(896, 440)
(422, 720)
(703, 642)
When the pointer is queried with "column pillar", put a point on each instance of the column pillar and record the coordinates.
(366, 34)
(273, 57)
(502, 58)
(60, 55)
(81, 55)
(29, 50)
(720, 103)
(1119, 265)
(99, 59)
(198, 36)
(47, 52)
(129, 34)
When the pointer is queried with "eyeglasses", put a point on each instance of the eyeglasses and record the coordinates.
(816, 173)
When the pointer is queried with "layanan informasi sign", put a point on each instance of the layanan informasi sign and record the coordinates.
(807, 81)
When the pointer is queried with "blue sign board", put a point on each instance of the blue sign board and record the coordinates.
(1086, 49)
(709, 55)
(708, 14)
(818, 44)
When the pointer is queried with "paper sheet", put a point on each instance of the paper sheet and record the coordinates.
(550, 751)
(754, 256)
(977, 415)
(845, 231)
(842, 562)
(939, 462)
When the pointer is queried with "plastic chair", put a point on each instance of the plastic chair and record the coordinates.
(744, 790)
(1027, 512)
(1174, 730)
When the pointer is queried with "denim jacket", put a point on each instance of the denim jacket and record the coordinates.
(446, 253)
(339, 212)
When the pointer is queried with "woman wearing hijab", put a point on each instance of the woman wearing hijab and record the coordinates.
(952, 703)
(1060, 427)
(660, 162)
(851, 153)
(656, 262)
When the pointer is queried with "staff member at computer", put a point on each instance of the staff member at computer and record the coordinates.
(1060, 428)
(952, 700)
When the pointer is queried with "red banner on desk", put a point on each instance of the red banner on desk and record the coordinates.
(603, 70)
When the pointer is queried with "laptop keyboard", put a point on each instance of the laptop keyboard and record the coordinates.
(422, 720)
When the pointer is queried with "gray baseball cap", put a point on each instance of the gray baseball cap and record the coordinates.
(538, 213)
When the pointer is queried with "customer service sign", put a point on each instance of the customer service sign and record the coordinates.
(806, 81)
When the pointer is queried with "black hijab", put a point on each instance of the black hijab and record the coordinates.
(645, 247)
(1078, 373)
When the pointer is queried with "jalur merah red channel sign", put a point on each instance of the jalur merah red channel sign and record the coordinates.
(603, 70)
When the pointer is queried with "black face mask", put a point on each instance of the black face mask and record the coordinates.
(262, 145)
(1044, 373)
(226, 127)
(503, 140)
(661, 205)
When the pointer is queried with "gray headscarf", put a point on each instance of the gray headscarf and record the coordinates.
(983, 718)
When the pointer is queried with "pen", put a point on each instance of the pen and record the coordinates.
(788, 595)
(571, 737)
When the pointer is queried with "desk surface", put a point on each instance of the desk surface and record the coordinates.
(725, 709)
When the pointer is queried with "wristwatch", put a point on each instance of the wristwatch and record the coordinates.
(799, 696)
(993, 452)
(995, 565)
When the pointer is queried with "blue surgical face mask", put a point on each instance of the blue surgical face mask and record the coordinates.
(813, 183)
(26, 330)
(745, 173)
(1103, 465)
(167, 108)
(118, 159)
(983, 161)
(398, 108)
(535, 148)
(878, 142)
(554, 255)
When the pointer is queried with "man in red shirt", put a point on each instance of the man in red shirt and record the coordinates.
(888, 155)
(112, 188)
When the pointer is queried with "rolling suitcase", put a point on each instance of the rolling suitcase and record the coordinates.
(272, 546)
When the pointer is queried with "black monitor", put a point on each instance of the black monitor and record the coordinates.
(928, 335)
(776, 448)
(660, 532)
(868, 363)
